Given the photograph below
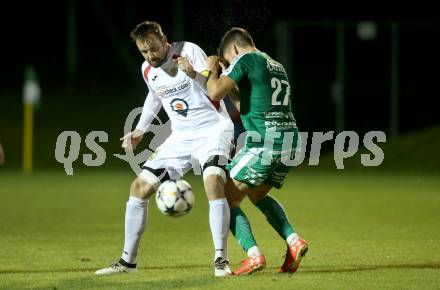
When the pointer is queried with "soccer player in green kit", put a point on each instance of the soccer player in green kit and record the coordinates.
(267, 117)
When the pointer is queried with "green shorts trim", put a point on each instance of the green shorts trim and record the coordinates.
(256, 165)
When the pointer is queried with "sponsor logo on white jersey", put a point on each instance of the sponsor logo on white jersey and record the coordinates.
(168, 91)
(180, 106)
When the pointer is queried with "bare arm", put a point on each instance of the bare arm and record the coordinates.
(234, 95)
(218, 87)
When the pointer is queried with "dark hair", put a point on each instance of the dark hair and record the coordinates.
(236, 35)
(143, 29)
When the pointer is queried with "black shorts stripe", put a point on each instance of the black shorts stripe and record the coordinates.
(160, 173)
(217, 161)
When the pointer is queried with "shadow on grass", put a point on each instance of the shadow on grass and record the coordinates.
(328, 269)
(90, 269)
(95, 282)
(360, 268)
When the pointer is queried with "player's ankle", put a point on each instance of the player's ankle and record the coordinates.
(292, 238)
(253, 252)
(126, 264)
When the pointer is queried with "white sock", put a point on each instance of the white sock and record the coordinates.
(135, 221)
(253, 252)
(291, 238)
(219, 218)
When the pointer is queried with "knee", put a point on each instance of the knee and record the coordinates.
(259, 193)
(234, 202)
(214, 177)
(255, 199)
(214, 186)
(234, 196)
(141, 189)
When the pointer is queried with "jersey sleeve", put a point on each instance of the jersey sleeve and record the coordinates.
(238, 68)
(198, 59)
(151, 107)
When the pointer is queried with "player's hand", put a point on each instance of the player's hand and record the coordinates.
(186, 67)
(222, 65)
(132, 139)
(213, 63)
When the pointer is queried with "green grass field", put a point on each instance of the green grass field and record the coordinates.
(366, 231)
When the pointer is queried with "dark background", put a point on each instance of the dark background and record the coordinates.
(106, 82)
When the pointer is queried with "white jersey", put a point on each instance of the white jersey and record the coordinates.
(185, 100)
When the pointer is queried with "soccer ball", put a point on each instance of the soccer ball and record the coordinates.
(174, 197)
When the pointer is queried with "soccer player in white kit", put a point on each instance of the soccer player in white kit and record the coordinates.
(201, 130)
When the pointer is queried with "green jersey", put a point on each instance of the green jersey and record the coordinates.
(267, 109)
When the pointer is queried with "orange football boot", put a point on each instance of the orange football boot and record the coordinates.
(251, 265)
(294, 254)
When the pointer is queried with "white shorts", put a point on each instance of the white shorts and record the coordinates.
(178, 154)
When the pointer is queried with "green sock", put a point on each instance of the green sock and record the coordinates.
(241, 229)
(276, 216)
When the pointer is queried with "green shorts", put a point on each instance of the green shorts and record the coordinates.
(256, 165)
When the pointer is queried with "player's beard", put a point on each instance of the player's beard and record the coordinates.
(157, 62)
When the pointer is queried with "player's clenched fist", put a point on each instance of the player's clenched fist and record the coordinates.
(132, 139)
(213, 63)
(186, 67)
